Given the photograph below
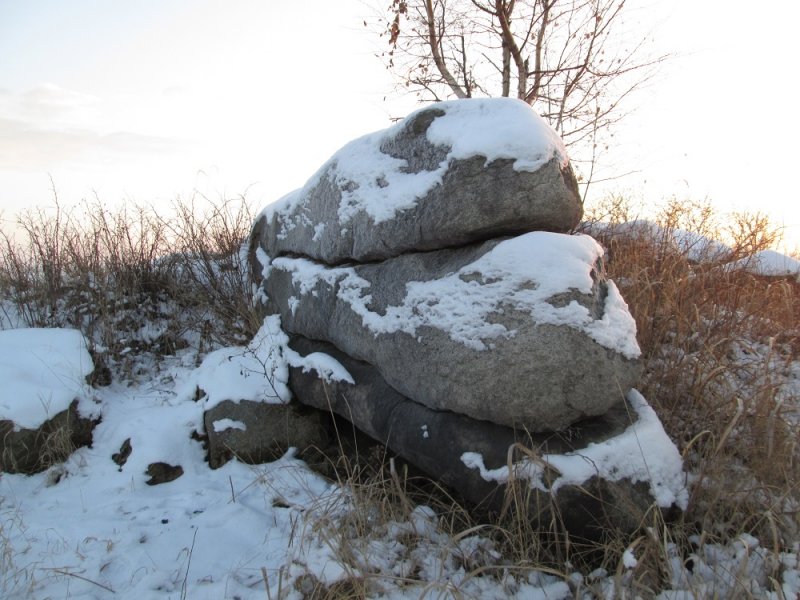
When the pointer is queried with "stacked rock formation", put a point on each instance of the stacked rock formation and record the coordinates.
(433, 260)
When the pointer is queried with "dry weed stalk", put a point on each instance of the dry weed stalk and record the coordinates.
(716, 344)
(110, 272)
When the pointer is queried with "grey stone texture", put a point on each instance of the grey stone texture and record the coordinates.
(543, 378)
(270, 429)
(435, 440)
(475, 201)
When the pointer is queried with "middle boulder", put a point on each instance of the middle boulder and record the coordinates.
(522, 332)
(400, 253)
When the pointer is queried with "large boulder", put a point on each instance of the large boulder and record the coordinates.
(46, 404)
(522, 332)
(625, 479)
(433, 296)
(449, 175)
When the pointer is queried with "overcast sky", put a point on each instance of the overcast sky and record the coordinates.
(152, 99)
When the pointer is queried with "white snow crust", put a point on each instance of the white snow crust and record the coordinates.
(258, 372)
(522, 273)
(496, 128)
(221, 425)
(42, 372)
(643, 452)
(629, 559)
(374, 183)
(770, 264)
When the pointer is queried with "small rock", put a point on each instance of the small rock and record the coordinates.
(161, 472)
(33, 450)
(121, 457)
(258, 432)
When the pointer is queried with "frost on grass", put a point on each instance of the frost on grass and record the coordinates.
(43, 371)
(377, 184)
(643, 452)
(523, 274)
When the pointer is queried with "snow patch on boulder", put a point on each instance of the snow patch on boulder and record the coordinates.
(523, 273)
(377, 184)
(43, 371)
(643, 452)
(258, 372)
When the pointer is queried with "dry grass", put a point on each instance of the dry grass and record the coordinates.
(210, 246)
(108, 272)
(717, 344)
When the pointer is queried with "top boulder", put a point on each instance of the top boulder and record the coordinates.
(447, 175)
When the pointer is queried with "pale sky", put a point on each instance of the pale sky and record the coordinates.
(153, 99)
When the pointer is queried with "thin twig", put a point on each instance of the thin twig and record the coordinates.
(81, 577)
(184, 586)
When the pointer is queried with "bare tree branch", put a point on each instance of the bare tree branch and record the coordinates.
(434, 41)
(571, 59)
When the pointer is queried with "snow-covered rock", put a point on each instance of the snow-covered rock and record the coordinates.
(522, 332)
(769, 263)
(431, 265)
(450, 174)
(46, 410)
(604, 473)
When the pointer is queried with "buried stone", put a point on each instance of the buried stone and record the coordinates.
(47, 409)
(121, 457)
(29, 450)
(161, 472)
(259, 432)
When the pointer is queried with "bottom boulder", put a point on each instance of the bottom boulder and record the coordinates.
(259, 432)
(603, 473)
(33, 450)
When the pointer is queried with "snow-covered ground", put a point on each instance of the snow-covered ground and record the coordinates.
(697, 247)
(89, 528)
(94, 527)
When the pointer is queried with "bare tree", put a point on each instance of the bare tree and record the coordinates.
(573, 60)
